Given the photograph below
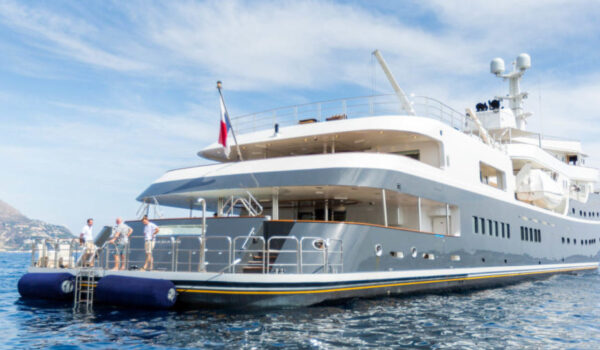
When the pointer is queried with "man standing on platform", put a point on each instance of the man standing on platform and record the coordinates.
(86, 237)
(120, 239)
(150, 231)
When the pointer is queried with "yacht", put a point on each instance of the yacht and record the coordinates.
(361, 197)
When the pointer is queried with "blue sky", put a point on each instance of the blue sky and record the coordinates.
(99, 98)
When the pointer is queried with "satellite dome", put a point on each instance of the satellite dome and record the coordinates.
(497, 66)
(523, 62)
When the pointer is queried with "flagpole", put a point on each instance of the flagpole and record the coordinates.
(237, 146)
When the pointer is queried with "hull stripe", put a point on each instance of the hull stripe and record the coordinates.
(343, 289)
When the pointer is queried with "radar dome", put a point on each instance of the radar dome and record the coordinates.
(523, 62)
(497, 66)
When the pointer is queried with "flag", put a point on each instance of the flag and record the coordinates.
(225, 127)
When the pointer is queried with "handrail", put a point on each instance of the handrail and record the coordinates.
(46, 253)
(250, 251)
(354, 107)
(279, 251)
(249, 204)
(325, 253)
(60, 249)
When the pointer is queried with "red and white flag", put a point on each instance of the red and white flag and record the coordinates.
(225, 127)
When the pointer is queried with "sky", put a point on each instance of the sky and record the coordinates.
(100, 98)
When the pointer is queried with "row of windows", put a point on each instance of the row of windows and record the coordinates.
(492, 227)
(531, 234)
(585, 214)
(567, 240)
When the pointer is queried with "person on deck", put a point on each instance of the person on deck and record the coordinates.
(120, 239)
(86, 238)
(150, 232)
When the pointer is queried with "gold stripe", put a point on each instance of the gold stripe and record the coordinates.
(181, 290)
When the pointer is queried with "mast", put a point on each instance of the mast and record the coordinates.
(399, 92)
(237, 146)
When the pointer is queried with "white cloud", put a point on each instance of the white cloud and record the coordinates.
(63, 36)
(263, 51)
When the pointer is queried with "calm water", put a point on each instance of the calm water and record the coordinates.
(562, 312)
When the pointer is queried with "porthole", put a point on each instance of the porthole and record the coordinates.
(563, 240)
(482, 259)
(318, 244)
(378, 250)
(505, 261)
(413, 252)
(397, 255)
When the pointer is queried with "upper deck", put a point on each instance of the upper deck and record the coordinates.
(349, 108)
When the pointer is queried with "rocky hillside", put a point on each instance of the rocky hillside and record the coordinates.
(17, 230)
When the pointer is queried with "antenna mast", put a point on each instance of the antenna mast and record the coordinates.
(515, 96)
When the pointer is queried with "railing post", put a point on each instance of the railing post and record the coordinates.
(326, 258)
(173, 254)
(301, 253)
(56, 248)
(298, 258)
(33, 251)
(107, 256)
(202, 267)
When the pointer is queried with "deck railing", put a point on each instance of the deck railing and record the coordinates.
(181, 253)
(348, 108)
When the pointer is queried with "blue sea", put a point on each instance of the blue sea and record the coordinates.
(562, 312)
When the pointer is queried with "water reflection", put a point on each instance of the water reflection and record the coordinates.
(560, 312)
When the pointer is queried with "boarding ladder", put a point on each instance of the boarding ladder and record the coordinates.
(84, 289)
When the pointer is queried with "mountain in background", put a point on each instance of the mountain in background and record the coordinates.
(17, 230)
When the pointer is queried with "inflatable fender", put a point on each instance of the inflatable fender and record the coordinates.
(136, 292)
(53, 286)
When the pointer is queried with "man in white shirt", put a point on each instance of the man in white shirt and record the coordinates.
(86, 237)
(150, 231)
(120, 238)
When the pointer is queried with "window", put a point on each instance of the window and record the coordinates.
(522, 234)
(507, 230)
(414, 154)
(475, 224)
(503, 230)
(491, 176)
(483, 226)
(491, 227)
(563, 240)
(530, 234)
(496, 227)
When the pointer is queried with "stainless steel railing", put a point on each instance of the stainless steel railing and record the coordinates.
(349, 108)
(222, 254)
(55, 253)
(329, 254)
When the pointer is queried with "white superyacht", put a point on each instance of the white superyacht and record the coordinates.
(359, 197)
